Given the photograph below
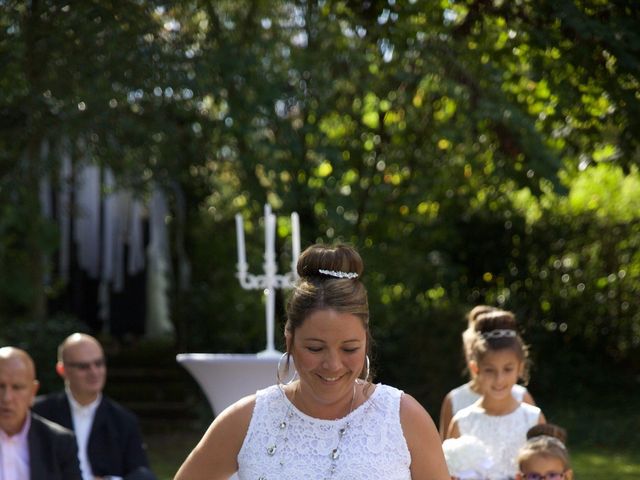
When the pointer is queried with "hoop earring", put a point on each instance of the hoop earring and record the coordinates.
(283, 369)
(367, 369)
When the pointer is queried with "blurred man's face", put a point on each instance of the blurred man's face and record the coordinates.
(18, 388)
(84, 370)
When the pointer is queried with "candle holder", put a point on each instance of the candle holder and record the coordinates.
(270, 280)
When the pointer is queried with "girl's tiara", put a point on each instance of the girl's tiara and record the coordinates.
(549, 438)
(338, 274)
(499, 333)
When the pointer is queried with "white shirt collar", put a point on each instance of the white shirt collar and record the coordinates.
(82, 417)
(78, 409)
(14, 454)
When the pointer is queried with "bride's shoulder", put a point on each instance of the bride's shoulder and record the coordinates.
(238, 415)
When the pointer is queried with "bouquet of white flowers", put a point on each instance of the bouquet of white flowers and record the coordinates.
(467, 458)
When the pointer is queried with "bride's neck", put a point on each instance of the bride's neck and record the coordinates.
(307, 404)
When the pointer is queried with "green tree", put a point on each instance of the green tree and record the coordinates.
(452, 142)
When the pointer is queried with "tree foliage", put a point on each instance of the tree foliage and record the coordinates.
(474, 151)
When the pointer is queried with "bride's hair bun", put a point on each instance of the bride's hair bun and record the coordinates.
(339, 261)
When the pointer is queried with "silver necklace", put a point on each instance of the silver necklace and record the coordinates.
(283, 428)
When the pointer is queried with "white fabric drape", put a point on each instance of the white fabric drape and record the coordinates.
(109, 216)
(87, 218)
(135, 238)
(107, 221)
(158, 321)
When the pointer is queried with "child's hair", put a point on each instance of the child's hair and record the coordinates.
(546, 440)
(548, 429)
(472, 315)
(468, 334)
(497, 330)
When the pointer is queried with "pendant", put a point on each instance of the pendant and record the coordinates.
(335, 454)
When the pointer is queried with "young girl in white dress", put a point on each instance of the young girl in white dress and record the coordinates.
(468, 393)
(545, 455)
(498, 360)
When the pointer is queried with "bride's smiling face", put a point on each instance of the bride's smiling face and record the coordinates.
(329, 351)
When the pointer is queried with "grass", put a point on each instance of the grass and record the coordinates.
(605, 464)
(603, 439)
(603, 434)
(167, 451)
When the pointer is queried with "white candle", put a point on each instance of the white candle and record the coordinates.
(295, 238)
(267, 213)
(270, 238)
(242, 259)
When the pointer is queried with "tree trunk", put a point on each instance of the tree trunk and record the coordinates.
(31, 169)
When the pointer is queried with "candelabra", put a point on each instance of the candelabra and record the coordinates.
(270, 280)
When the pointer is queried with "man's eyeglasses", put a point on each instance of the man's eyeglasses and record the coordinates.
(547, 476)
(84, 366)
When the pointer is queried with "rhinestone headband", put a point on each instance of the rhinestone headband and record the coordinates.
(548, 438)
(338, 274)
(499, 333)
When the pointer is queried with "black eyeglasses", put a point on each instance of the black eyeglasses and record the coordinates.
(546, 476)
(84, 366)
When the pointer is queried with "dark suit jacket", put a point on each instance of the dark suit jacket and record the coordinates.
(53, 453)
(115, 444)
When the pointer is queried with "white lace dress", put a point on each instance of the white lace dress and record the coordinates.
(282, 443)
(463, 396)
(502, 434)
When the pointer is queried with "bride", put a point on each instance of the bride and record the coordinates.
(331, 422)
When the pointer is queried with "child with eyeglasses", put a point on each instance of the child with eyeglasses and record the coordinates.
(545, 455)
(500, 421)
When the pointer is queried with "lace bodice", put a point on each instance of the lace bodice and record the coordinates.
(502, 434)
(372, 447)
(463, 396)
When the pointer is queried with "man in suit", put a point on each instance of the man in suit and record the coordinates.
(109, 439)
(31, 448)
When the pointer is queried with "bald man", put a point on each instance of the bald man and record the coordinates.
(109, 440)
(31, 448)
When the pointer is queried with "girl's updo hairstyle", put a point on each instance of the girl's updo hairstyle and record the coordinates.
(549, 430)
(468, 335)
(476, 311)
(546, 440)
(497, 330)
(326, 291)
